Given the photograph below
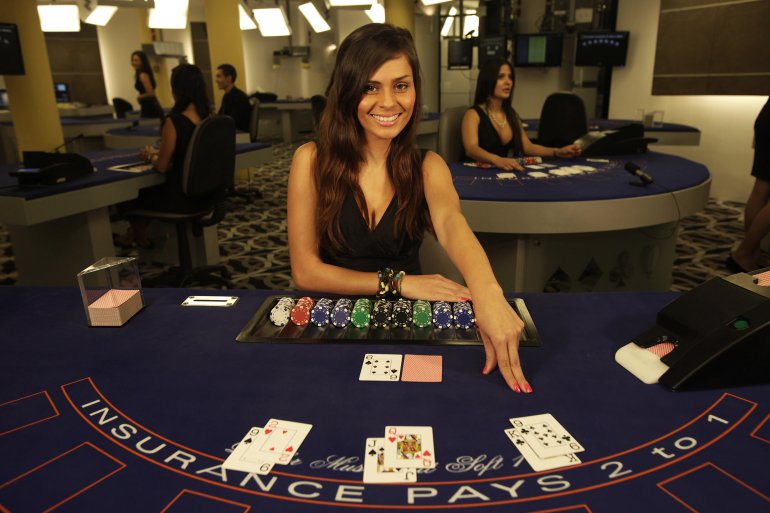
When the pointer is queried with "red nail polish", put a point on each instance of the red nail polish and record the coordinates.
(465, 299)
(527, 389)
(484, 371)
(517, 389)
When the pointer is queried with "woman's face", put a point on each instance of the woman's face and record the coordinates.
(504, 85)
(136, 62)
(388, 99)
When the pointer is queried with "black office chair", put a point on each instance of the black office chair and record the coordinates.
(121, 107)
(254, 119)
(450, 136)
(317, 105)
(209, 161)
(249, 194)
(562, 120)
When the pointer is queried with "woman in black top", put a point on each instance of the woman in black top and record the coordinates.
(748, 256)
(145, 84)
(492, 131)
(191, 106)
(363, 195)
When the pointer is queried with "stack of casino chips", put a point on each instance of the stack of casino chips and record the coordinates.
(421, 313)
(361, 315)
(401, 316)
(381, 313)
(280, 313)
(463, 314)
(300, 314)
(322, 312)
(442, 315)
(341, 312)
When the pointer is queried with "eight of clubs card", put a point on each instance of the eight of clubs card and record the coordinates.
(381, 367)
(545, 435)
(279, 440)
(539, 464)
(245, 457)
(375, 470)
(409, 447)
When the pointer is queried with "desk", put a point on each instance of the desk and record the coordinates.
(139, 418)
(58, 231)
(145, 135)
(291, 113)
(585, 232)
(72, 111)
(669, 134)
(427, 131)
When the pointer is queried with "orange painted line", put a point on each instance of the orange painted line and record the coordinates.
(121, 466)
(759, 426)
(44, 392)
(200, 494)
(566, 508)
(662, 484)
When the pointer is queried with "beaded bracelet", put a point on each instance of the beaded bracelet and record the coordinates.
(389, 282)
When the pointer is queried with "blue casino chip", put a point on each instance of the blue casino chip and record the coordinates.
(341, 313)
(321, 313)
(442, 315)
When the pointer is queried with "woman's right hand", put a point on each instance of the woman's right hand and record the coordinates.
(507, 164)
(433, 287)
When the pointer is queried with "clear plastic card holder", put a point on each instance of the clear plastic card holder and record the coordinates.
(111, 290)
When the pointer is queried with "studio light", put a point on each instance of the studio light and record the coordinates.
(59, 18)
(101, 15)
(314, 17)
(168, 14)
(272, 22)
(447, 27)
(245, 20)
(376, 13)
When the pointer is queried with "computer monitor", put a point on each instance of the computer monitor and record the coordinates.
(11, 61)
(538, 50)
(3, 99)
(62, 91)
(459, 53)
(491, 48)
(601, 48)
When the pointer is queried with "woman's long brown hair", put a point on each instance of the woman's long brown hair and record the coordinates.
(341, 137)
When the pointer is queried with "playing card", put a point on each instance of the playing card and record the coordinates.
(539, 464)
(545, 435)
(409, 447)
(422, 367)
(375, 470)
(244, 458)
(381, 367)
(279, 441)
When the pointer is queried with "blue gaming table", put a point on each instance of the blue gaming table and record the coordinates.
(140, 418)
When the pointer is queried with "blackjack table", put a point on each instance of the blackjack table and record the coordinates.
(140, 418)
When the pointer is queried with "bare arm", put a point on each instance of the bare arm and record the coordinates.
(470, 132)
(500, 326)
(149, 91)
(161, 159)
(530, 148)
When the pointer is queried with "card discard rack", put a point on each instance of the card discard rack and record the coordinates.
(259, 329)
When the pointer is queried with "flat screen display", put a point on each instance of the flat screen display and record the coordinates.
(459, 53)
(62, 91)
(538, 50)
(601, 48)
(491, 48)
(11, 61)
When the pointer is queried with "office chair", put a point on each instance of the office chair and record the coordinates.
(317, 105)
(254, 120)
(450, 137)
(249, 194)
(562, 120)
(121, 107)
(210, 159)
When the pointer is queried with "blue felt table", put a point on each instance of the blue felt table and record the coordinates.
(612, 124)
(139, 418)
(609, 181)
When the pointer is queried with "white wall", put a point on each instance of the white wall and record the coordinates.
(726, 122)
(117, 41)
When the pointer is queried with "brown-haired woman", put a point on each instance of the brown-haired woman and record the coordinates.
(362, 196)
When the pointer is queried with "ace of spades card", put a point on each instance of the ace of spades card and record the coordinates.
(381, 367)
(545, 435)
(409, 447)
(375, 470)
(245, 458)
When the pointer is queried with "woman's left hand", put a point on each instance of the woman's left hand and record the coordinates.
(501, 330)
(569, 151)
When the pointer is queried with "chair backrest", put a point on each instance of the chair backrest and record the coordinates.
(317, 105)
(121, 107)
(210, 159)
(562, 120)
(254, 120)
(450, 137)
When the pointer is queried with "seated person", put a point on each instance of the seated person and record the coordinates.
(235, 103)
(491, 129)
(191, 106)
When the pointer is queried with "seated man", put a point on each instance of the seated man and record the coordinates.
(235, 103)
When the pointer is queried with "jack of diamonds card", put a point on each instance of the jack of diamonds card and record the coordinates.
(409, 447)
